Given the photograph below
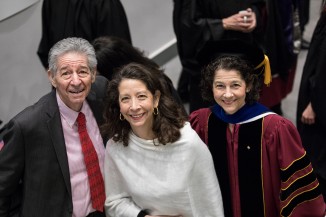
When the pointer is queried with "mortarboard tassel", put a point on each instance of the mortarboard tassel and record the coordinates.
(267, 70)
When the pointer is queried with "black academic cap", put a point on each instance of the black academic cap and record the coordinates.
(250, 52)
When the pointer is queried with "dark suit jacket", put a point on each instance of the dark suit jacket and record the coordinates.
(35, 156)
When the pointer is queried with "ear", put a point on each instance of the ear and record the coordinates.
(157, 96)
(93, 74)
(248, 88)
(52, 79)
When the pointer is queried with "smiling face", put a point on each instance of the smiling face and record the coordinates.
(229, 90)
(136, 105)
(73, 79)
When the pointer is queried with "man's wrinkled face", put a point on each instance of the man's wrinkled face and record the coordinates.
(73, 79)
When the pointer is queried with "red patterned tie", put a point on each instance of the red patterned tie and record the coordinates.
(95, 177)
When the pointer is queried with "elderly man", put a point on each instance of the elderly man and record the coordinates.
(51, 163)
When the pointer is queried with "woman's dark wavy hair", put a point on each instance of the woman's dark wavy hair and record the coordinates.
(166, 125)
(245, 69)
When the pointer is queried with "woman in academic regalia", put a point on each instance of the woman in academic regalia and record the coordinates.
(262, 168)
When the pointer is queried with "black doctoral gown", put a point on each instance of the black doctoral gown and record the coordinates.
(313, 89)
(197, 21)
(87, 19)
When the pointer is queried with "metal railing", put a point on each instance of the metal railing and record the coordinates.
(165, 53)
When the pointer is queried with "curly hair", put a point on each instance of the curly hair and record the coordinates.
(166, 125)
(245, 69)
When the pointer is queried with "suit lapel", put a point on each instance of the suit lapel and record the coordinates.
(56, 133)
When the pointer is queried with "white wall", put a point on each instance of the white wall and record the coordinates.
(9, 8)
(150, 22)
(22, 78)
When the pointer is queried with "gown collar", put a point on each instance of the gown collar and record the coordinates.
(245, 114)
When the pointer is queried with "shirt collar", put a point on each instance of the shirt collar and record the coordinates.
(68, 114)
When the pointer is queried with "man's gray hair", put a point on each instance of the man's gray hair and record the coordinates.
(72, 45)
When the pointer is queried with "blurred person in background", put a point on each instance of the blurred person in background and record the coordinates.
(311, 108)
(87, 19)
(304, 15)
(281, 42)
